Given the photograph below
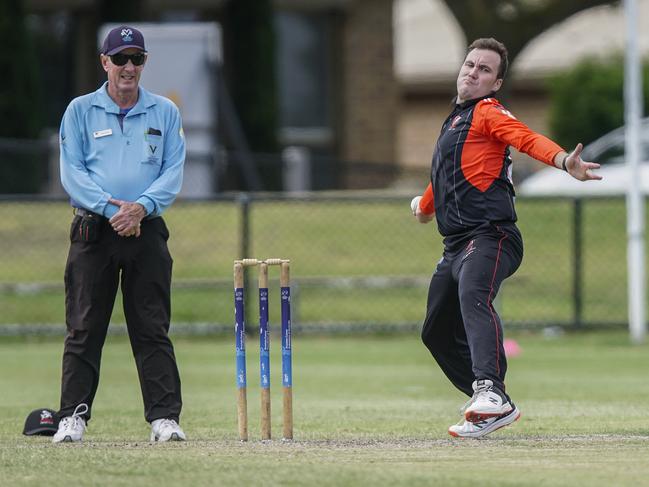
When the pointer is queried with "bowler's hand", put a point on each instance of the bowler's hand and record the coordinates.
(416, 211)
(580, 169)
(423, 217)
(126, 222)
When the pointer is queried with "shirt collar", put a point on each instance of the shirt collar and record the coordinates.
(102, 99)
(469, 103)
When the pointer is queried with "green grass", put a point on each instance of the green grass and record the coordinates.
(330, 239)
(368, 411)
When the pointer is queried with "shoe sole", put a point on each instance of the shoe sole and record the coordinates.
(477, 416)
(67, 439)
(174, 437)
(487, 431)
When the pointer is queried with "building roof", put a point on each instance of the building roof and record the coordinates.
(429, 44)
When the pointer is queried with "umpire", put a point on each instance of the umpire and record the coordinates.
(122, 157)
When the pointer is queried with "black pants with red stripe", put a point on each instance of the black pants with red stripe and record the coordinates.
(462, 329)
(142, 266)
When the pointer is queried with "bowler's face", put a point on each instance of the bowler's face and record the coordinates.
(124, 79)
(478, 75)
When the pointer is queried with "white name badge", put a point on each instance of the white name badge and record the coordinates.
(102, 133)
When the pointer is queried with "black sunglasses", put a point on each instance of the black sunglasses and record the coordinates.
(120, 59)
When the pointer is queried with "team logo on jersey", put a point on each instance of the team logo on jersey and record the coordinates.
(507, 112)
(469, 250)
(127, 35)
(455, 121)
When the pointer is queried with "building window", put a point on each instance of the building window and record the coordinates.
(304, 77)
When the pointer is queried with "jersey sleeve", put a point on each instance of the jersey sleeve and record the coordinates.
(427, 202)
(75, 178)
(497, 122)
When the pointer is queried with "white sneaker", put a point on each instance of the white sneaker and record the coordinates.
(71, 428)
(466, 429)
(166, 430)
(487, 402)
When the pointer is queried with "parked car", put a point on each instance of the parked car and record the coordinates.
(608, 150)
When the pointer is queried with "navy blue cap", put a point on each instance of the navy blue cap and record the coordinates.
(121, 38)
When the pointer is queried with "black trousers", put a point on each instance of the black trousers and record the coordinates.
(462, 329)
(93, 271)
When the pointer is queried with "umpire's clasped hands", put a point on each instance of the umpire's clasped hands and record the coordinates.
(126, 222)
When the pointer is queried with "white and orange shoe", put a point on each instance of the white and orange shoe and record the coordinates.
(487, 402)
(468, 429)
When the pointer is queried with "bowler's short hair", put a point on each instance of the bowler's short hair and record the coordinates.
(492, 44)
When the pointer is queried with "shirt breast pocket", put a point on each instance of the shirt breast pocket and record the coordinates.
(99, 149)
(153, 149)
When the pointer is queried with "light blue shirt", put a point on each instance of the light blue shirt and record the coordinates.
(141, 161)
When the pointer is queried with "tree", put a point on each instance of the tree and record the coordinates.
(251, 59)
(515, 22)
(21, 171)
(19, 104)
(588, 100)
(120, 11)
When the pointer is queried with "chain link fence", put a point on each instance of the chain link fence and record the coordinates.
(359, 261)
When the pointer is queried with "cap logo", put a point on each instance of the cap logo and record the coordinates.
(127, 35)
(46, 417)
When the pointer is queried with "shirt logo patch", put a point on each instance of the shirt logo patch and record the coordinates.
(152, 159)
(102, 133)
(455, 121)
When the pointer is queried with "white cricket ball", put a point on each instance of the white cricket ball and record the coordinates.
(414, 204)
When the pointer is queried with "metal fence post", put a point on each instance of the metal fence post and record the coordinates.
(577, 255)
(245, 201)
(244, 229)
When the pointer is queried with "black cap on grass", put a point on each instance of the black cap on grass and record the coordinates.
(41, 421)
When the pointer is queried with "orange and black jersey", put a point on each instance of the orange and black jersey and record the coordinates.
(471, 186)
